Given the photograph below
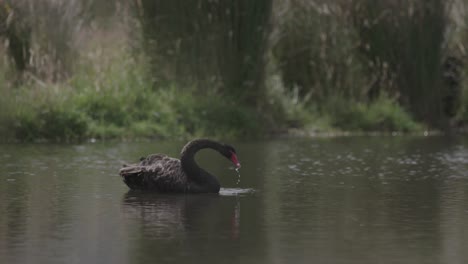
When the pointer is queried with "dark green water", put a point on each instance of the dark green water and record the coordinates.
(342, 200)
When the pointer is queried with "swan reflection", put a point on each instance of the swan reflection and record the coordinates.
(167, 216)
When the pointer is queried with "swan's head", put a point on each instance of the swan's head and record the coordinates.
(230, 153)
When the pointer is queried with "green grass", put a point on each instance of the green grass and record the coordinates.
(338, 113)
(39, 114)
(406, 39)
(317, 79)
(383, 114)
(117, 102)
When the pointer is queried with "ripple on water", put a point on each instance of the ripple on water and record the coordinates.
(235, 191)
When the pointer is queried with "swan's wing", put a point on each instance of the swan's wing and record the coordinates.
(154, 159)
(156, 172)
(166, 175)
(145, 161)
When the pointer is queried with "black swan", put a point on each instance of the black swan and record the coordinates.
(161, 173)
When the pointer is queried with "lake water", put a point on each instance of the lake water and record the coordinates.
(338, 200)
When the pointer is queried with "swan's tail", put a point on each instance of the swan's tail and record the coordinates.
(129, 170)
(133, 176)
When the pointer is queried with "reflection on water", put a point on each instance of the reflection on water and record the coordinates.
(168, 215)
(170, 227)
(342, 200)
(235, 191)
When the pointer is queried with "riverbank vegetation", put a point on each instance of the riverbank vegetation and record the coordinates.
(76, 70)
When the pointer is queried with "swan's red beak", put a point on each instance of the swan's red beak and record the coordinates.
(235, 160)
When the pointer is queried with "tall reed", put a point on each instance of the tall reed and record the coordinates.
(404, 43)
(315, 48)
(217, 45)
(43, 34)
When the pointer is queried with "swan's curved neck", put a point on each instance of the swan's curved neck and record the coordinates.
(187, 158)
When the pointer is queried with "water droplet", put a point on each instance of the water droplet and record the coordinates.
(238, 176)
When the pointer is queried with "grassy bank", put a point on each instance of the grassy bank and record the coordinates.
(227, 70)
(119, 102)
(171, 114)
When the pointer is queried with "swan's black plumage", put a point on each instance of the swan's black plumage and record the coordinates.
(161, 173)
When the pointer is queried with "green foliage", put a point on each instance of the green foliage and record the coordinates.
(215, 116)
(347, 65)
(32, 114)
(403, 42)
(383, 114)
(200, 43)
(316, 51)
(116, 102)
(361, 49)
(51, 124)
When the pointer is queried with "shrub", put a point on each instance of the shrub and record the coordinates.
(384, 114)
(52, 124)
(316, 50)
(405, 40)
